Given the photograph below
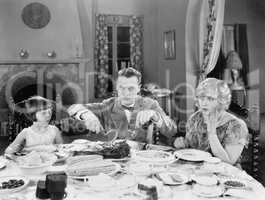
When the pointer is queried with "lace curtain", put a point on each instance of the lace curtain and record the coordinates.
(204, 34)
(136, 42)
(101, 57)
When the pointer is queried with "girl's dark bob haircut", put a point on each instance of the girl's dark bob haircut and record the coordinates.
(34, 104)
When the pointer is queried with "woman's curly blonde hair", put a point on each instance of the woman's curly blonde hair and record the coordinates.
(211, 86)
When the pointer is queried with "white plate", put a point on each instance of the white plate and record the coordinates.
(125, 182)
(211, 193)
(154, 156)
(192, 155)
(7, 178)
(168, 178)
(207, 180)
(80, 141)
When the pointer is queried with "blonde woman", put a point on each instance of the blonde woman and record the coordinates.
(212, 128)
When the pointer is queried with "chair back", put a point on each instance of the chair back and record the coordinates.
(250, 156)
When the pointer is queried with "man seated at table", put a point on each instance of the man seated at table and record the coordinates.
(127, 111)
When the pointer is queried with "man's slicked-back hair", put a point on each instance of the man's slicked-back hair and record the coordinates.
(130, 72)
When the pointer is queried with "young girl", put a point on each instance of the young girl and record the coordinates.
(40, 136)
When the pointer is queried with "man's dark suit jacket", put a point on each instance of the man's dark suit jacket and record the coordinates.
(112, 116)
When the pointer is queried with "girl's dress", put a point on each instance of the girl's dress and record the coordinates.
(28, 139)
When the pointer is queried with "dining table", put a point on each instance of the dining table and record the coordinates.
(81, 189)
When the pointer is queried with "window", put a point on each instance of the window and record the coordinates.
(116, 49)
(118, 45)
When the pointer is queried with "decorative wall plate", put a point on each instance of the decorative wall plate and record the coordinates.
(36, 15)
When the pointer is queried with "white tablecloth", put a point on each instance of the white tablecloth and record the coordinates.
(183, 192)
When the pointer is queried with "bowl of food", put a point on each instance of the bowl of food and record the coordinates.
(36, 163)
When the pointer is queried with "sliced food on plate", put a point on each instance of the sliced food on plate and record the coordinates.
(192, 155)
(234, 183)
(9, 184)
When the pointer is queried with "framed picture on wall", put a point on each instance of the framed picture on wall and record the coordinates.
(169, 43)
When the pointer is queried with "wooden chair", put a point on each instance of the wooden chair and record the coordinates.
(252, 119)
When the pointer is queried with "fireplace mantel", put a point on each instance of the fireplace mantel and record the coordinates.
(77, 71)
(44, 61)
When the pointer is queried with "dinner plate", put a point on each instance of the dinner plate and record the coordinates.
(11, 190)
(154, 156)
(209, 193)
(192, 155)
(171, 178)
(80, 141)
(206, 180)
